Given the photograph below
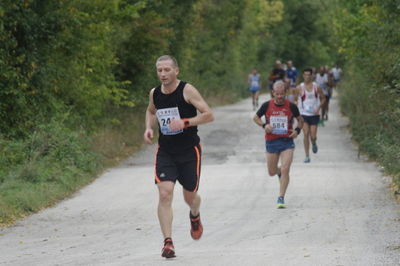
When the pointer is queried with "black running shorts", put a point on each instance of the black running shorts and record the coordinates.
(184, 167)
(312, 120)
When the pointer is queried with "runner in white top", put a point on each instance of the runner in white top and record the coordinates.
(322, 81)
(309, 98)
(337, 73)
(254, 82)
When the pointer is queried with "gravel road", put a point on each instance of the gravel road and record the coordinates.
(340, 210)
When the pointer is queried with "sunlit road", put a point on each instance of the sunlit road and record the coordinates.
(339, 208)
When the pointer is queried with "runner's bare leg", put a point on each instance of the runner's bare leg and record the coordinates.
(286, 162)
(165, 214)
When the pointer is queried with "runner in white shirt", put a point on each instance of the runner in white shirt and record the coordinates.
(321, 78)
(337, 73)
(310, 99)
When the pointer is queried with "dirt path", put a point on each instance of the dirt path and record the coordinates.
(340, 211)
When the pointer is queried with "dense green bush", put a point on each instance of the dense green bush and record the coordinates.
(71, 71)
(43, 168)
(370, 39)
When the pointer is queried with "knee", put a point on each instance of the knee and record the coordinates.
(190, 197)
(285, 170)
(165, 196)
(272, 172)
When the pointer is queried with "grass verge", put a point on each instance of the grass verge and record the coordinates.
(55, 161)
(374, 126)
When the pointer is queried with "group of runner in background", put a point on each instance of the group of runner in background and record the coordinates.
(326, 78)
(294, 107)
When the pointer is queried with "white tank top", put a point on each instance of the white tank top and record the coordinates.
(308, 100)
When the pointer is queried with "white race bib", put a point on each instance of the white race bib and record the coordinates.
(309, 107)
(279, 125)
(165, 116)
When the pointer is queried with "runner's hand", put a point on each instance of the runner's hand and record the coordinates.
(148, 136)
(293, 135)
(176, 124)
(268, 128)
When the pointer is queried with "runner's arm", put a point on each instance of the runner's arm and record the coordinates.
(192, 96)
(300, 123)
(258, 120)
(322, 98)
(260, 113)
(150, 119)
(299, 119)
(297, 94)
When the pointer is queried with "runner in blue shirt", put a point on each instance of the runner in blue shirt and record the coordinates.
(254, 81)
(291, 74)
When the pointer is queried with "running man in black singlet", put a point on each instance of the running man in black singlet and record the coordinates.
(174, 104)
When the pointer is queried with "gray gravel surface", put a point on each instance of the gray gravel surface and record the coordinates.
(340, 210)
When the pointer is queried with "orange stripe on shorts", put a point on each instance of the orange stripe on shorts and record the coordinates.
(198, 158)
(155, 167)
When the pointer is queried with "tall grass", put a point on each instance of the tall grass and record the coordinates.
(42, 169)
(55, 161)
(374, 124)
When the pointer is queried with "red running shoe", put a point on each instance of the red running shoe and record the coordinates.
(196, 229)
(168, 251)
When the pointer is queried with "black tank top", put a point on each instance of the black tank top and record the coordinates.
(175, 142)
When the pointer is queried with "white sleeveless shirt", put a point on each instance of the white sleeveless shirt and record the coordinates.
(308, 100)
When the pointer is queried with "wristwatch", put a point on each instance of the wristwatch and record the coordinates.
(186, 122)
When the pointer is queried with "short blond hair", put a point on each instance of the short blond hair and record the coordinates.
(278, 84)
(168, 57)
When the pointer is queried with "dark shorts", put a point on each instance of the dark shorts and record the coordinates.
(279, 145)
(184, 167)
(327, 97)
(254, 89)
(312, 120)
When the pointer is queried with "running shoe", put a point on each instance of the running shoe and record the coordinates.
(168, 251)
(314, 147)
(281, 203)
(196, 229)
(307, 159)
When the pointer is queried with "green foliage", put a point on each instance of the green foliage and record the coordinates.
(45, 167)
(56, 56)
(71, 71)
(369, 36)
(222, 43)
(305, 34)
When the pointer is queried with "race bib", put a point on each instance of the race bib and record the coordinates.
(309, 108)
(279, 125)
(165, 116)
(254, 83)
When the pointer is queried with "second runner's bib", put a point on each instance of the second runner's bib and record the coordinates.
(279, 125)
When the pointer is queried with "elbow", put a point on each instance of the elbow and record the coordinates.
(211, 117)
(256, 119)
